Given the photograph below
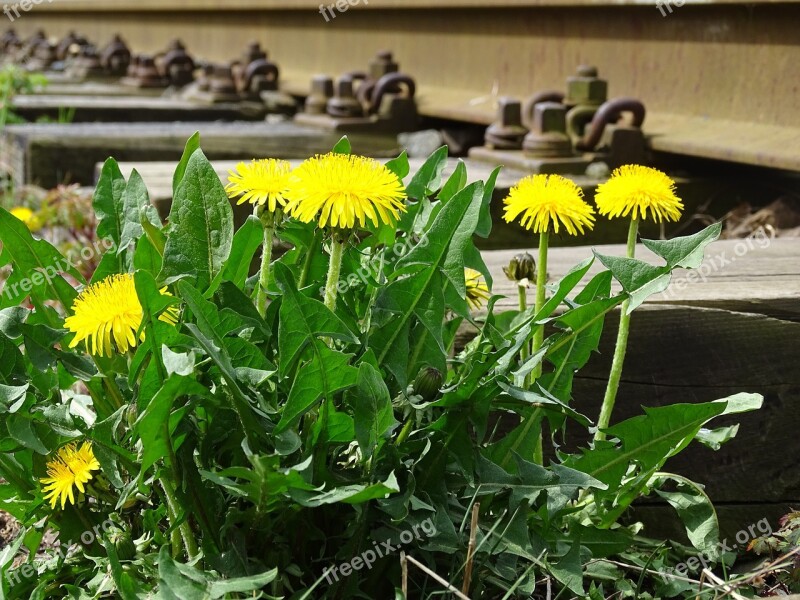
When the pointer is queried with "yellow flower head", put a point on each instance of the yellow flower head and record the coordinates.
(110, 308)
(340, 190)
(477, 290)
(632, 189)
(262, 182)
(27, 216)
(547, 202)
(71, 467)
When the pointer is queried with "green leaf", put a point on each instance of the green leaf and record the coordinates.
(399, 166)
(348, 494)
(372, 408)
(649, 440)
(146, 257)
(455, 183)
(569, 570)
(560, 484)
(574, 355)
(410, 297)
(136, 208)
(302, 320)
(20, 428)
(206, 332)
(246, 242)
(192, 144)
(36, 262)
(326, 373)
(342, 146)
(10, 397)
(108, 205)
(714, 438)
(428, 179)
(540, 398)
(695, 510)
(638, 278)
(10, 320)
(688, 251)
(151, 423)
(201, 226)
(126, 585)
(484, 228)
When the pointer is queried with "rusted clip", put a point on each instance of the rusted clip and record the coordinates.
(530, 104)
(391, 83)
(261, 75)
(609, 113)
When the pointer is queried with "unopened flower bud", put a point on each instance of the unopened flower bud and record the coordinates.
(427, 383)
(123, 544)
(522, 266)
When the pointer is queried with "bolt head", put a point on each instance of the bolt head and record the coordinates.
(550, 117)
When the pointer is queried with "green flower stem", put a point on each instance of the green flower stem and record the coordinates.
(541, 281)
(619, 351)
(301, 282)
(538, 337)
(268, 220)
(173, 508)
(335, 268)
(522, 292)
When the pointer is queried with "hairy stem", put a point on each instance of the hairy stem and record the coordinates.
(268, 220)
(538, 337)
(335, 268)
(619, 351)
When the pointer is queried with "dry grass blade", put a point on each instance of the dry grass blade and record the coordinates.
(446, 584)
(473, 534)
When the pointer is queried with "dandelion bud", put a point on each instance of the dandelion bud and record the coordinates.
(123, 543)
(427, 383)
(522, 266)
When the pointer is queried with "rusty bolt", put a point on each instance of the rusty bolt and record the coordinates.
(548, 137)
(382, 64)
(507, 132)
(344, 103)
(585, 87)
(321, 92)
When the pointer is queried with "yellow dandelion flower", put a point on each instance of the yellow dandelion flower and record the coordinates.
(547, 202)
(633, 189)
(262, 182)
(71, 467)
(477, 290)
(27, 216)
(340, 190)
(110, 308)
